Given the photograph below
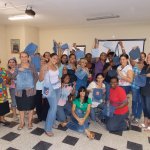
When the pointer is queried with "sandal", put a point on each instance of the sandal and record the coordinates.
(50, 134)
(30, 127)
(20, 127)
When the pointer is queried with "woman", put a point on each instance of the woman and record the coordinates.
(100, 64)
(64, 105)
(125, 73)
(12, 63)
(50, 73)
(145, 91)
(4, 105)
(118, 98)
(46, 56)
(80, 114)
(26, 78)
(97, 99)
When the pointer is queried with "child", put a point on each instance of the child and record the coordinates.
(63, 105)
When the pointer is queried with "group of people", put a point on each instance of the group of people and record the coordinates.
(76, 93)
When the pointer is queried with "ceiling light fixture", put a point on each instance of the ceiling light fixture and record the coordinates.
(29, 14)
(20, 17)
(103, 17)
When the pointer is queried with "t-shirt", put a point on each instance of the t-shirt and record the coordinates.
(82, 106)
(92, 86)
(118, 95)
(124, 72)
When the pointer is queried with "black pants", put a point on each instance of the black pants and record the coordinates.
(39, 104)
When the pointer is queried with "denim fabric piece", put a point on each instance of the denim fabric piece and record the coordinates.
(108, 110)
(55, 47)
(116, 60)
(112, 73)
(64, 46)
(140, 80)
(31, 48)
(79, 54)
(47, 89)
(80, 73)
(36, 61)
(135, 53)
(97, 95)
(24, 80)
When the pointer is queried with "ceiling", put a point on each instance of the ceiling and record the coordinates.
(64, 13)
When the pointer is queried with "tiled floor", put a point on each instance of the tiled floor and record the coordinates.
(65, 139)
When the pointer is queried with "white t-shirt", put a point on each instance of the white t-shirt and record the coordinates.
(92, 86)
(124, 72)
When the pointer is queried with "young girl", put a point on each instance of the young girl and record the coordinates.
(82, 74)
(64, 107)
(12, 63)
(80, 114)
(96, 91)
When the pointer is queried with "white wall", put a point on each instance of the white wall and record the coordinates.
(86, 35)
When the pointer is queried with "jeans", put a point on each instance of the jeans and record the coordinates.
(63, 112)
(117, 123)
(13, 98)
(107, 90)
(73, 124)
(136, 103)
(38, 104)
(51, 116)
(127, 89)
(146, 106)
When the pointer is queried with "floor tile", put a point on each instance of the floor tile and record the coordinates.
(70, 140)
(12, 124)
(108, 148)
(42, 146)
(10, 136)
(35, 121)
(97, 136)
(38, 131)
(117, 133)
(11, 148)
(134, 146)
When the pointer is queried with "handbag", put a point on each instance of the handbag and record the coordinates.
(140, 80)
(97, 95)
(135, 53)
(47, 86)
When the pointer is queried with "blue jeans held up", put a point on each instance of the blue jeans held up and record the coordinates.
(136, 103)
(51, 116)
(146, 106)
(117, 123)
(73, 124)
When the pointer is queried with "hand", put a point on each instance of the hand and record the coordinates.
(81, 121)
(148, 75)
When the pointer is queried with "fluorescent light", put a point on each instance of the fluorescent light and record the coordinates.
(20, 17)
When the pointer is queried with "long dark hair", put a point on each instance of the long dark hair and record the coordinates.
(83, 89)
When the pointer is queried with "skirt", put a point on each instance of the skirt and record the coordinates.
(4, 108)
(25, 103)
